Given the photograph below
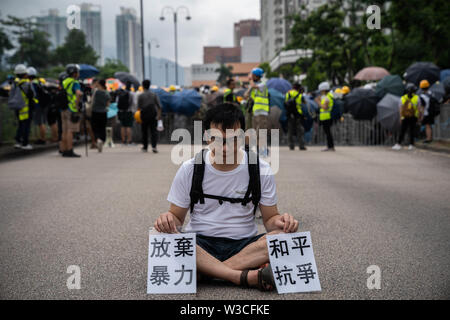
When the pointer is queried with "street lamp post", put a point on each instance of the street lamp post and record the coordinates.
(175, 18)
(142, 40)
(150, 55)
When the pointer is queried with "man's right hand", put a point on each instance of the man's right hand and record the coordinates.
(166, 223)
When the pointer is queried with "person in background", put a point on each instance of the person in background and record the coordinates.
(39, 112)
(125, 101)
(228, 95)
(295, 116)
(100, 103)
(410, 113)
(429, 103)
(150, 108)
(25, 114)
(325, 100)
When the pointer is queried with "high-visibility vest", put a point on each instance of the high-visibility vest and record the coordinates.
(227, 93)
(24, 113)
(326, 114)
(292, 94)
(261, 100)
(71, 96)
(414, 103)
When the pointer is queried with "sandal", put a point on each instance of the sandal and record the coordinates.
(266, 282)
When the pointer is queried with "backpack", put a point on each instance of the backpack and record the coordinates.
(61, 99)
(253, 189)
(123, 103)
(291, 106)
(16, 100)
(407, 111)
(337, 110)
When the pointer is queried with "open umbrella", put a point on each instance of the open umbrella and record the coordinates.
(445, 74)
(186, 102)
(362, 103)
(124, 77)
(438, 91)
(371, 74)
(165, 98)
(87, 71)
(390, 84)
(277, 99)
(310, 110)
(388, 114)
(422, 71)
(279, 84)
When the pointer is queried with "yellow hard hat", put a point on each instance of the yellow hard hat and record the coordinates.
(345, 89)
(172, 88)
(239, 99)
(424, 84)
(137, 116)
(215, 88)
(42, 80)
(338, 90)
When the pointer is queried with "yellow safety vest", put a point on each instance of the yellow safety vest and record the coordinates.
(261, 100)
(24, 113)
(71, 96)
(414, 103)
(292, 94)
(326, 114)
(227, 93)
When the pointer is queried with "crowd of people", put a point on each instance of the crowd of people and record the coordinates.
(71, 105)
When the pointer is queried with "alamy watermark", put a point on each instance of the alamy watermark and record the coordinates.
(374, 280)
(74, 280)
(73, 17)
(374, 19)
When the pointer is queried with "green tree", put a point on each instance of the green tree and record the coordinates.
(5, 45)
(34, 49)
(110, 67)
(75, 50)
(225, 72)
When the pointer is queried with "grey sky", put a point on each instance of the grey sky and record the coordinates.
(211, 24)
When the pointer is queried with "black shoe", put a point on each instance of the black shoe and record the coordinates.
(70, 154)
(291, 148)
(154, 150)
(303, 148)
(144, 150)
(60, 152)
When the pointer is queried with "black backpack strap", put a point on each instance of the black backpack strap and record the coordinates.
(196, 193)
(254, 185)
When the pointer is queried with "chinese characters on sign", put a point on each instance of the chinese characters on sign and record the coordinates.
(172, 263)
(293, 264)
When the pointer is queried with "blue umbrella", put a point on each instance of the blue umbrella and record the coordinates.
(112, 110)
(277, 99)
(279, 84)
(186, 102)
(310, 111)
(87, 71)
(165, 98)
(445, 74)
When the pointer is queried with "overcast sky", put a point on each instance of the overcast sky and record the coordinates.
(211, 24)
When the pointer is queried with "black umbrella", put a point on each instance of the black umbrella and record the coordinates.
(362, 103)
(390, 84)
(422, 71)
(124, 77)
(438, 91)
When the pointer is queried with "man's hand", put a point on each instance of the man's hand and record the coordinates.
(166, 223)
(287, 223)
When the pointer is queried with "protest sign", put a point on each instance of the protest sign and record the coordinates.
(172, 263)
(292, 261)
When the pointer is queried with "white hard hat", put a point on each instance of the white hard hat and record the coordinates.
(32, 71)
(20, 69)
(324, 86)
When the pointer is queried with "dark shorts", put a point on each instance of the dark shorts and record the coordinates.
(223, 248)
(126, 118)
(428, 120)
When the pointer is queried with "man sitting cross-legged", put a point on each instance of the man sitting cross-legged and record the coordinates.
(223, 185)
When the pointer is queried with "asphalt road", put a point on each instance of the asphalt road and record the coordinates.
(363, 206)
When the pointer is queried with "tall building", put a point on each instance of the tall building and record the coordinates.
(128, 37)
(55, 26)
(250, 49)
(246, 28)
(91, 25)
(275, 27)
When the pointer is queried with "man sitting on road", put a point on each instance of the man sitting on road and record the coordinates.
(213, 185)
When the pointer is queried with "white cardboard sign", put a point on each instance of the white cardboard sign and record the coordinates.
(172, 264)
(292, 261)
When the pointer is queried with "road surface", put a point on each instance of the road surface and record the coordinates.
(364, 206)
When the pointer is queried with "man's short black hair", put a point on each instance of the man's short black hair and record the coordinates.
(146, 84)
(226, 114)
(229, 81)
(297, 86)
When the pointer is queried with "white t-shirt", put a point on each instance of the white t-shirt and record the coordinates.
(228, 220)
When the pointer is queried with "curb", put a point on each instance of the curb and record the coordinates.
(433, 148)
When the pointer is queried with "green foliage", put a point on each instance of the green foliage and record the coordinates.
(110, 67)
(412, 30)
(225, 72)
(75, 50)
(33, 50)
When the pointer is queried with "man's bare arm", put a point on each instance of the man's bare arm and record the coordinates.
(273, 220)
(168, 221)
